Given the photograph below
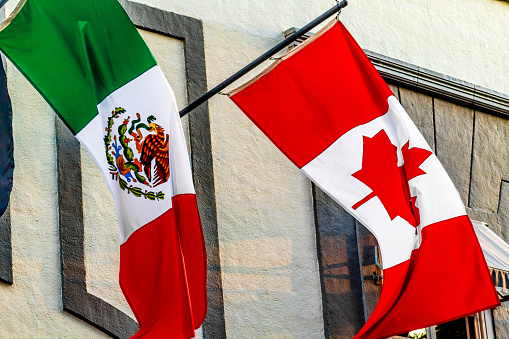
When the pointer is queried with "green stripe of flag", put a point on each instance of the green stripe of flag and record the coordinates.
(75, 52)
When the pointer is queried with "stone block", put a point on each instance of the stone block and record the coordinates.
(490, 163)
(454, 132)
(420, 109)
(341, 270)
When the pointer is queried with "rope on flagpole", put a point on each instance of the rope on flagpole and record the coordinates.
(339, 11)
(334, 10)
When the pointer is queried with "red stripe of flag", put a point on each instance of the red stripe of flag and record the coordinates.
(435, 285)
(163, 272)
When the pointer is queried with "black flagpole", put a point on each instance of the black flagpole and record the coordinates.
(263, 57)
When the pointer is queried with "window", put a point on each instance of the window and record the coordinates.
(477, 326)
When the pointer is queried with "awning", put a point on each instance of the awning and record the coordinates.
(496, 253)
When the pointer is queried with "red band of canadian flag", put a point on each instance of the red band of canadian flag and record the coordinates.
(327, 108)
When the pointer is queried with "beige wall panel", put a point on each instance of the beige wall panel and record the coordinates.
(32, 306)
(263, 201)
(266, 236)
(454, 131)
(460, 38)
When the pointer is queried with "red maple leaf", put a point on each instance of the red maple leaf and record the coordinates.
(387, 180)
(413, 158)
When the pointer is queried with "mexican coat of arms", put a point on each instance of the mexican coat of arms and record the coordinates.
(137, 153)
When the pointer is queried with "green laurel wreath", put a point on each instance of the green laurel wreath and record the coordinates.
(136, 191)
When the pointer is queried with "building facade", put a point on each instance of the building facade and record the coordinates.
(284, 260)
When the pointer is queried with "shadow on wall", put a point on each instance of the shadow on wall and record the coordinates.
(347, 257)
(258, 286)
(268, 271)
(271, 287)
(267, 287)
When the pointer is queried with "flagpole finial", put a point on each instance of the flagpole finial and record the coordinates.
(340, 6)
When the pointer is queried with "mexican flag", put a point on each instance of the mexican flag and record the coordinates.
(89, 62)
(325, 106)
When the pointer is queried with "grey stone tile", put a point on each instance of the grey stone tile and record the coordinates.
(454, 131)
(394, 90)
(420, 109)
(490, 161)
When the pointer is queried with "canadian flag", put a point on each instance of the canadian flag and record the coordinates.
(328, 110)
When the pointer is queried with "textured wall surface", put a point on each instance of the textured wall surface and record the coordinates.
(266, 221)
(33, 304)
(501, 316)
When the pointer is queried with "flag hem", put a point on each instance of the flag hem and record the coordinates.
(308, 41)
(287, 55)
